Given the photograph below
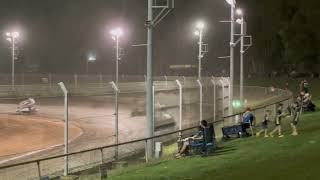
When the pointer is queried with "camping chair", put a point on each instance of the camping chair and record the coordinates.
(207, 145)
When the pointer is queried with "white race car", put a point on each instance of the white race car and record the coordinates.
(27, 107)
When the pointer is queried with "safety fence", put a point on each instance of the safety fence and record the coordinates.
(96, 160)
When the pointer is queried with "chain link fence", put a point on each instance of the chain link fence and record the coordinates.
(177, 111)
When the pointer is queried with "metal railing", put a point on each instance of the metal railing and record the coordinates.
(42, 167)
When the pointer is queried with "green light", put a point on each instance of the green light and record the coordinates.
(236, 103)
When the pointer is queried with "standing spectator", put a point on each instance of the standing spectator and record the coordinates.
(247, 121)
(264, 124)
(305, 86)
(279, 115)
(295, 113)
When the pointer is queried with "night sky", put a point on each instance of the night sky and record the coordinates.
(58, 34)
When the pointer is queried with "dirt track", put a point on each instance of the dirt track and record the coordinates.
(92, 117)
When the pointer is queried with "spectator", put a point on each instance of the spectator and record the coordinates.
(305, 86)
(193, 140)
(247, 121)
(295, 113)
(264, 124)
(279, 115)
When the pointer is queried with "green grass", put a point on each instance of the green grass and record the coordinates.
(293, 158)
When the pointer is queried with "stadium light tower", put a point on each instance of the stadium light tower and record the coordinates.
(242, 34)
(199, 32)
(91, 58)
(116, 34)
(232, 45)
(12, 37)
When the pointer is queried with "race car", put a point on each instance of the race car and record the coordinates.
(27, 106)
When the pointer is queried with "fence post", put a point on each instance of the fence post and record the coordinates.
(230, 98)
(222, 93)
(66, 128)
(116, 114)
(39, 170)
(102, 158)
(100, 79)
(180, 108)
(75, 77)
(166, 79)
(214, 99)
(146, 150)
(184, 80)
(50, 81)
(200, 86)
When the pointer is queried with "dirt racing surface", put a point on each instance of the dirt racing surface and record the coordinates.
(23, 133)
(91, 125)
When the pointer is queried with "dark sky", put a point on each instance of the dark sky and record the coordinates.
(58, 34)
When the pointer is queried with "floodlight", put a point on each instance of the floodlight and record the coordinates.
(197, 33)
(239, 21)
(231, 2)
(92, 58)
(200, 25)
(239, 12)
(116, 32)
(8, 34)
(15, 34)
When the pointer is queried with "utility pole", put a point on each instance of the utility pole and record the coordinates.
(116, 34)
(149, 88)
(200, 52)
(11, 37)
(241, 58)
(151, 23)
(13, 69)
(232, 44)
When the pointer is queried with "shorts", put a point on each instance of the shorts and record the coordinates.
(264, 126)
(196, 143)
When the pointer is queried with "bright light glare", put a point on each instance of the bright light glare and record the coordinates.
(239, 12)
(239, 21)
(197, 33)
(92, 58)
(12, 34)
(116, 32)
(231, 2)
(200, 25)
(15, 34)
(9, 39)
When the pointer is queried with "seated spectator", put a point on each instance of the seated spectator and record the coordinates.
(247, 121)
(195, 140)
(307, 104)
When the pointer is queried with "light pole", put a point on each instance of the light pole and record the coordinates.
(199, 32)
(116, 34)
(11, 37)
(241, 22)
(232, 45)
(149, 84)
(91, 58)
